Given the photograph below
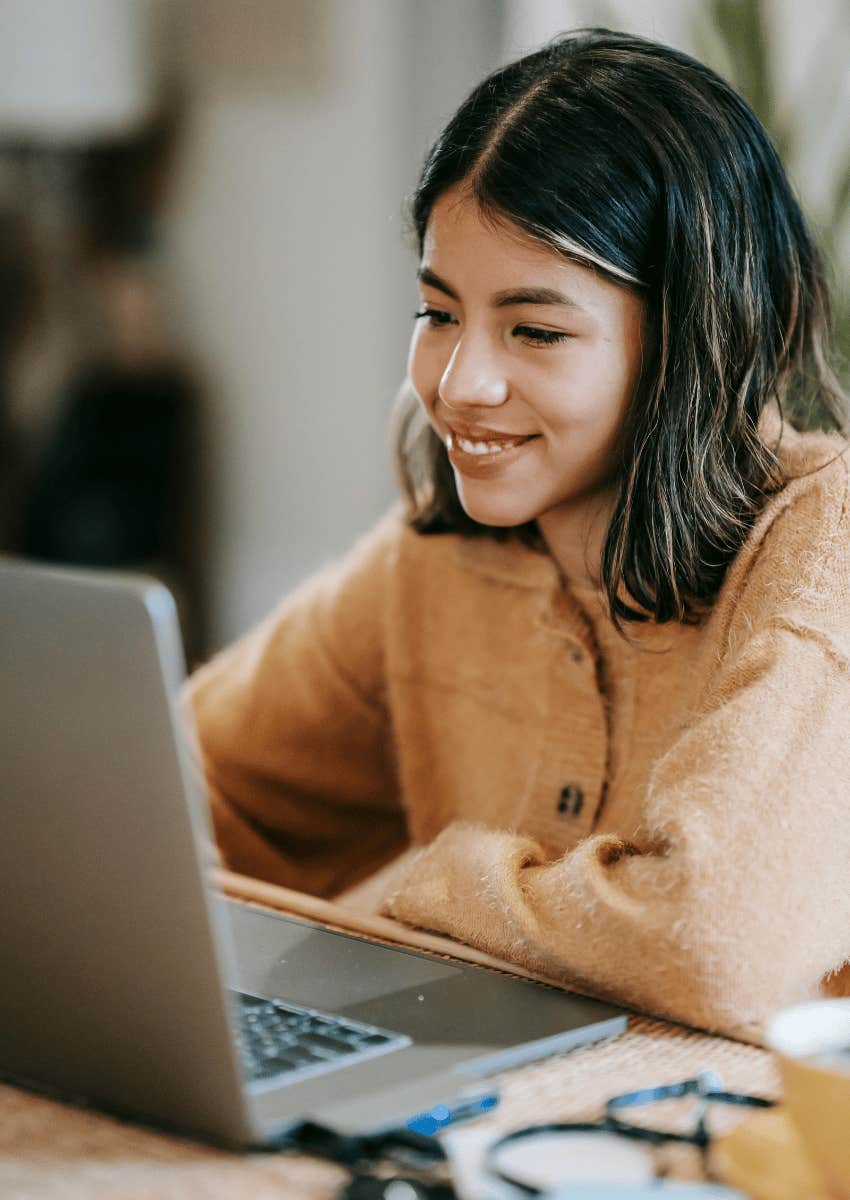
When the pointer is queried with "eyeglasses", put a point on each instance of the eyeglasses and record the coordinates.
(424, 1161)
(529, 1175)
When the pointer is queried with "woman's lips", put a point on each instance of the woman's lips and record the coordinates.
(480, 444)
(480, 433)
(481, 464)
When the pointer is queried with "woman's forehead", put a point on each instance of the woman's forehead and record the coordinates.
(472, 249)
(458, 216)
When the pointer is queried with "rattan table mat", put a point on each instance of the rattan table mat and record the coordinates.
(52, 1151)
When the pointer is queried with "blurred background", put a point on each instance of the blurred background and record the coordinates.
(206, 287)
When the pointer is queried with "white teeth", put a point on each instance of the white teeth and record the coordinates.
(483, 447)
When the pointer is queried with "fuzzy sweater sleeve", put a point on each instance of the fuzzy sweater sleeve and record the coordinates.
(294, 736)
(736, 898)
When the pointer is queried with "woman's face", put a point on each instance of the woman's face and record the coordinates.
(525, 364)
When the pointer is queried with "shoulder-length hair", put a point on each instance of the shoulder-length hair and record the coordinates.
(637, 161)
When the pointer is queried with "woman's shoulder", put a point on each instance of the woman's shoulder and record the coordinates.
(803, 452)
(812, 499)
(797, 556)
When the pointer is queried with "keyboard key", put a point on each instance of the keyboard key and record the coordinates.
(275, 1038)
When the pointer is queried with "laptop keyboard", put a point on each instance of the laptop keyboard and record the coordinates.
(277, 1039)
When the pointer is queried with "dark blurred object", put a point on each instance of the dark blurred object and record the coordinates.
(107, 490)
(18, 286)
(115, 484)
(18, 306)
(122, 182)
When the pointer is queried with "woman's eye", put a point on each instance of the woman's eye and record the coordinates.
(541, 337)
(435, 316)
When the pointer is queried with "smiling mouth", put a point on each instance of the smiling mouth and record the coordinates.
(484, 447)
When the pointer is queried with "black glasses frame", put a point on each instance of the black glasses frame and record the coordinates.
(708, 1086)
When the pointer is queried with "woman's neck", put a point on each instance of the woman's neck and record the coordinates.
(574, 534)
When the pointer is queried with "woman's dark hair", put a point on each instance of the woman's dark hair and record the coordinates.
(641, 162)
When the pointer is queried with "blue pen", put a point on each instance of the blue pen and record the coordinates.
(465, 1108)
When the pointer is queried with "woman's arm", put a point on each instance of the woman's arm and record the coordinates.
(735, 899)
(294, 734)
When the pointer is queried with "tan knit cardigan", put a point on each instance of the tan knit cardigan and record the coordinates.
(666, 822)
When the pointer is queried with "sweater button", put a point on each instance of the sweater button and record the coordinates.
(571, 800)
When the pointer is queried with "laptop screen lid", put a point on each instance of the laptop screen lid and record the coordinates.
(129, 1014)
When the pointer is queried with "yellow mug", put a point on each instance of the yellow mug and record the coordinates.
(812, 1044)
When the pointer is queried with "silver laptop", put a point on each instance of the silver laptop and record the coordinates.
(129, 984)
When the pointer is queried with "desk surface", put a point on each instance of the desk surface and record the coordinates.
(49, 1150)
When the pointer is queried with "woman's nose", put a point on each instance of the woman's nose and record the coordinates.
(472, 378)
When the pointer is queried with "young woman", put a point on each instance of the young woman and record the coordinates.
(595, 672)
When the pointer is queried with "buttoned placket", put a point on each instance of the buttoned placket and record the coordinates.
(568, 766)
(572, 774)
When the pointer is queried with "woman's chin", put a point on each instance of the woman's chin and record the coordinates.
(500, 515)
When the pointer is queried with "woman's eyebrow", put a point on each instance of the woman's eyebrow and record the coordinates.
(535, 295)
(505, 299)
(427, 276)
